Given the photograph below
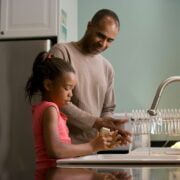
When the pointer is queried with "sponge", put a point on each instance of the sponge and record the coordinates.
(104, 131)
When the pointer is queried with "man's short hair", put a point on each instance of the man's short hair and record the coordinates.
(103, 13)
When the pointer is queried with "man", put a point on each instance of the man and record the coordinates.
(93, 100)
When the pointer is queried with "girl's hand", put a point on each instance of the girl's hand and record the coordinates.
(116, 139)
(114, 124)
(107, 141)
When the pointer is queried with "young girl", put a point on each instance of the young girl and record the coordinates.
(55, 79)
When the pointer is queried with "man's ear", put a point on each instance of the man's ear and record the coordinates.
(47, 84)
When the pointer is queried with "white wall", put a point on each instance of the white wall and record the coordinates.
(145, 52)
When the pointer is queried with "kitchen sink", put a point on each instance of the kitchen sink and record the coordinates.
(138, 156)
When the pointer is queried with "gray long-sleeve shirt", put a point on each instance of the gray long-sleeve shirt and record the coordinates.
(93, 95)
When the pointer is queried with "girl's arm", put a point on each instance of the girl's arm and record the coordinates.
(56, 149)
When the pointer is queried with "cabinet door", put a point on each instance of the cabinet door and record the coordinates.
(28, 18)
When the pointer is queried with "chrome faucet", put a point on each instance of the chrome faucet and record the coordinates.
(152, 110)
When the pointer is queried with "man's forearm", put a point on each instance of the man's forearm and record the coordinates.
(78, 117)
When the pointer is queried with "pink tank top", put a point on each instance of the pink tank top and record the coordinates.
(40, 149)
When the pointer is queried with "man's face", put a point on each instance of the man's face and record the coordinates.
(100, 36)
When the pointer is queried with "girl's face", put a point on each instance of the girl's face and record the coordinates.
(59, 91)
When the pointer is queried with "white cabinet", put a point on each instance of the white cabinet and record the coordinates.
(28, 18)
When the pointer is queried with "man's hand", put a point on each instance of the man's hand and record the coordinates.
(114, 124)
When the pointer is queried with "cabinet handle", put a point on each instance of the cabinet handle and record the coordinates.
(2, 32)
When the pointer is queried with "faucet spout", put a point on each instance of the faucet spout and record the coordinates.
(152, 110)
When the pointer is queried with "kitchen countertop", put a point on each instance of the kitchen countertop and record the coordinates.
(113, 173)
(97, 172)
(102, 171)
